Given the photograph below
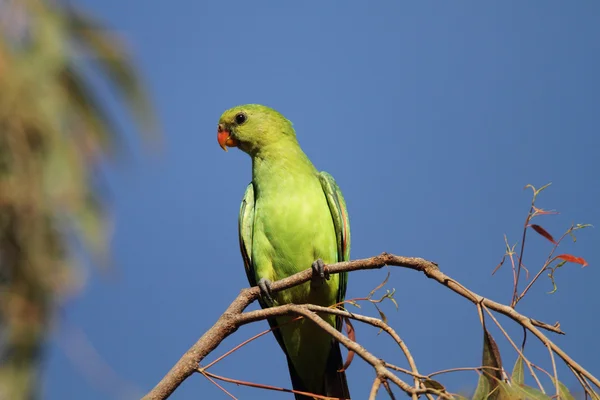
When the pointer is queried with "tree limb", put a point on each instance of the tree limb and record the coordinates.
(234, 317)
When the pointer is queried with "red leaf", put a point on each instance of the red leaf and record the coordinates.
(499, 265)
(543, 232)
(352, 336)
(573, 259)
(540, 211)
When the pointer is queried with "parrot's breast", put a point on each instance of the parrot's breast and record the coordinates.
(294, 227)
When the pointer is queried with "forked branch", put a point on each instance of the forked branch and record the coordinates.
(234, 317)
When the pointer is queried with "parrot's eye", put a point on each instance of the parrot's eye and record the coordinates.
(240, 118)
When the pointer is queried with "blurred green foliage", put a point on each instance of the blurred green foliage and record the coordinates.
(54, 131)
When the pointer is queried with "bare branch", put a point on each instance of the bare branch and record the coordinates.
(234, 317)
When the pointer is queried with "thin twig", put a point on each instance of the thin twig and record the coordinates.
(584, 384)
(375, 388)
(404, 370)
(516, 285)
(458, 369)
(261, 386)
(389, 391)
(217, 384)
(245, 342)
(555, 372)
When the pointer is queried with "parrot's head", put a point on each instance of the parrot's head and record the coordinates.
(253, 127)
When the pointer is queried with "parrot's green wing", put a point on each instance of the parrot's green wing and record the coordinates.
(339, 213)
(246, 232)
(333, 379)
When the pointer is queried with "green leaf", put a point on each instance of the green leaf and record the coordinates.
(551, 275)
(573, 236)
(433, 384)
(354, 303)
(54, 131)
(491, 358)
(504, 391)
(518, 374)
(519, 392)
(562, 390)
(382, 284)
(92, 114)
(542, 188)
(92, 223)
(537, 191)
(576, 227)
(390, 295)
(530, 393)
(383, 317)
(483, 388)
(112, 58)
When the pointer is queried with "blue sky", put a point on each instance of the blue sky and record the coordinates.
(432, 117)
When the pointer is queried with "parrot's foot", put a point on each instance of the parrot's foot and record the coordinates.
(265, 290)
(318, 272)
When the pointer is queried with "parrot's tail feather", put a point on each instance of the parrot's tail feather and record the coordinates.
(334, 382)
(297, 383)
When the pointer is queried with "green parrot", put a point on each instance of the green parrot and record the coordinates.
(292, 217)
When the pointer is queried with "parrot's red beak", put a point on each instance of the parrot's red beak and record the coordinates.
(224, 138)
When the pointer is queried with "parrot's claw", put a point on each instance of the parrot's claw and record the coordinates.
(319, 272)
(265, 289)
